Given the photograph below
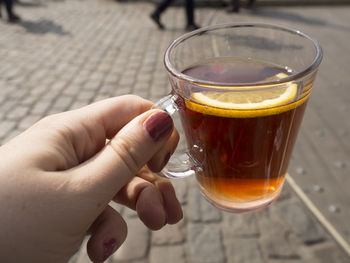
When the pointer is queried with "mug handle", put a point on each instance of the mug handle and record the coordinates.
(180, 164)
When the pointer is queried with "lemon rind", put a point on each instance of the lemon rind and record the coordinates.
(287, 96)
(244, 113)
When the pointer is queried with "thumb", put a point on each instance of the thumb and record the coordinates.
(125, 154)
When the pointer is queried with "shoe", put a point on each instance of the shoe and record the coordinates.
(156, 19)
(191, 27)
(13, 18)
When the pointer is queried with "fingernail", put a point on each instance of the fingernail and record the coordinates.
(108, 248)
(158, 125)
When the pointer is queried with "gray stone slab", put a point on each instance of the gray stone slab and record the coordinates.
(199, 209)
(6, 127)
(17, 113)
(243, 250)
(205, 244)
(301, 221)
(169, 235)
(274, 239)
(237, 225)
(169, 254)
(327, 252)
(136, 244)
(109, 48)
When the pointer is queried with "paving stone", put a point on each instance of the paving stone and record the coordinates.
(59, 85)
(17, 113)
(243, 250)
(18, 93)
(112, 78)
(288, 261)
(122, 91)
(206, 244)
(141, 87)
(245, 225)
(86, 95)
(81, 257)
(53, 111)
(126, 81)
(136, 244)
(117, 207)
(28, 100)
(72, 90)
(200, 210)
(142, 92)
(37, 89)
(112, 49)
(77, 104)
(6, 126)
(104, 68)
(51, 95)
(41, 107)
(13, 133)
(7, 105)
(97, 77)
(168, 254)
(92, 85)
(28, 121)
(169, 235)
(129, 213)
(286, 193)
(107, 89)
(80, 78)
(62, 103)
(274, 240)
(301, 221)
(328, 252)
(100, 97)
(144, 77)
(181, 189)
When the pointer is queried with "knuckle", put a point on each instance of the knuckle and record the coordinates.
(127, 153)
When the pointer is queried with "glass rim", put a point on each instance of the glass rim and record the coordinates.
(298, 75)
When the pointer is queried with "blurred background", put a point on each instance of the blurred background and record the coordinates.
(61, 55)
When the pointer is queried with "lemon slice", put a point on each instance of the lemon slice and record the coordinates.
(271, 100)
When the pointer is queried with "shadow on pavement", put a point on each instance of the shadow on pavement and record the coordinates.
(283, 15)
(43, 26)
(29, 4)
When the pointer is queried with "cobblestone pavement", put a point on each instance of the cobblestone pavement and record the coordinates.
(67, 54)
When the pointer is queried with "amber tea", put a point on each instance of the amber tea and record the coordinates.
(243, 140)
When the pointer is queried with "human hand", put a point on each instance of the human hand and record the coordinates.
(58, 177)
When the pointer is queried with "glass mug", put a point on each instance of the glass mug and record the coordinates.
(240, 91)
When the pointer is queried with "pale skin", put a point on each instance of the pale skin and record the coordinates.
(58, 177)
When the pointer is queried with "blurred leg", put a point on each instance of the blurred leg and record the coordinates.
(160, 8)
(164, 4)
(189, 6)
(9, 5)
(13, 18)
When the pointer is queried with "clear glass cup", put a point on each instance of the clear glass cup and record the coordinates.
(240, 92)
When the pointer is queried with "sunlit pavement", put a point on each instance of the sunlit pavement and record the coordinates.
(66, 54)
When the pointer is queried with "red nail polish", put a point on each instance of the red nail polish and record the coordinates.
(158, 125)
(108, 248)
